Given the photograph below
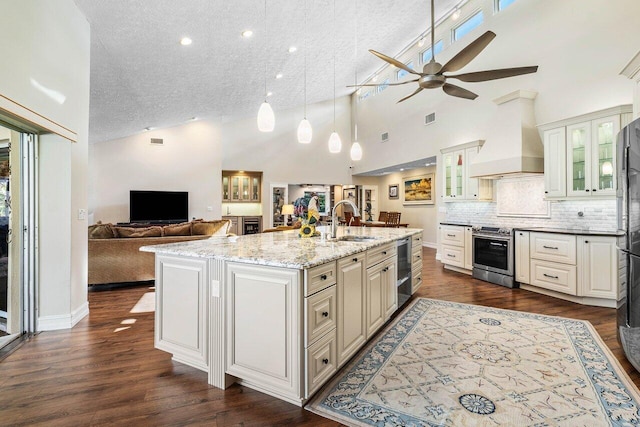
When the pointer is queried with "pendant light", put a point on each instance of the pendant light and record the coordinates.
(356, 149)
(305, 132)
(335, 144)
(266, 118)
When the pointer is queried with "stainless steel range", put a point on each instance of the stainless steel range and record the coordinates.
(493, 253)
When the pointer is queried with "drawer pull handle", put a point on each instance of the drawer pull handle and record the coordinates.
(451, 256)
(325, 361)
(586, 241)
(451, 235)
(550, 247)
(323, 277)
(550, 276)
(385, 269)
(325, 314)
(384, 252)
(417, 256)
(355, 260)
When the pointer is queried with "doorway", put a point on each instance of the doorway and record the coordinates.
(17, 234)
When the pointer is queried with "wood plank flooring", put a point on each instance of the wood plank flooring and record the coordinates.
(105, 370)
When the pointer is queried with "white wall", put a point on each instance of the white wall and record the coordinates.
(417, 216)
(579, 46)
(194, 155)
(189, 160)
(50, 43)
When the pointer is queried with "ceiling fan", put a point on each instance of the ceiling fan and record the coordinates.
(432, 75)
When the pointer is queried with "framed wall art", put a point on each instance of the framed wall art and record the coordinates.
(393, 191)
(418, 190)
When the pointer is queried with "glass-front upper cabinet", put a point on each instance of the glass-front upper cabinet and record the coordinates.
(579, 159)
(225, 189)
(241, 186)
(454, 164)
(603, 162)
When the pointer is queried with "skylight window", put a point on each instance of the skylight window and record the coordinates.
(401, 73)
(426, 55)
(503, 4)
(468, 25)
(384, 85)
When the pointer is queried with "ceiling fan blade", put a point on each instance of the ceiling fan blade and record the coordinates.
(394, 62)
(409, 96)
(483, 76)
(467, 54)
(387, 84)
(454, 90)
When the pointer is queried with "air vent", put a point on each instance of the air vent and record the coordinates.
(429, 118)
(157, 141)
(384, 137)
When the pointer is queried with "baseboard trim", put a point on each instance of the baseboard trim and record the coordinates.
(63, 321)
(430, 245)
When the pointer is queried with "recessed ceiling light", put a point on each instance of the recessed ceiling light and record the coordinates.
(421, 42)
(269, 93)
(279, 76)
(148, 129)
(193, 119)
(185, 41)
(247, 33)
(456, 14)
(292, 49)
(375, 78)
(401, 169)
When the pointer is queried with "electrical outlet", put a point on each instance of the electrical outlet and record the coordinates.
(209, 208)
(82, 214)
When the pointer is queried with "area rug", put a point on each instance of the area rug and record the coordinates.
(447, 364)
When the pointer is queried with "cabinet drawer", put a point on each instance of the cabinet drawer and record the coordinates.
(453, 255)
(553, 247)
(554, 276)
(416, 243)
(321, 362)
(452, 235)
(416, 258)
(320, 277)
(380, 253)
(416, 280)
(320, 314)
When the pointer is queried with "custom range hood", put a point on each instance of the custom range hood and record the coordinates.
(513, 145)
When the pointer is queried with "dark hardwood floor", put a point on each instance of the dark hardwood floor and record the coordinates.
(105, 370)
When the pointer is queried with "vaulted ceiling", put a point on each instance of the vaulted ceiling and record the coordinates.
(141, 76)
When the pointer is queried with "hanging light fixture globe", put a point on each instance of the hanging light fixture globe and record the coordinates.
(266, 119)
(335, 143)
(305, 133)
(356, 151)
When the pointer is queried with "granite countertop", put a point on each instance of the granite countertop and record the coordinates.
(574, 231)
(283, 248)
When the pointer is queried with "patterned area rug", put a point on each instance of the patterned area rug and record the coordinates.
(447, 364)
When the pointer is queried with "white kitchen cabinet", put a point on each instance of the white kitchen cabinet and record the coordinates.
(241, 186)
(382, 296)
(579, 154)
(264, 336)
(522, 257)
(390, 276)
(555, 155)
(351, 301)
(181, 303)
(456, 248)
(457, 184)
(598, 275)
(416, 262)
(233, 226)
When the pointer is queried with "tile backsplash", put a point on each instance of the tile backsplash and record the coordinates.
(597, 215)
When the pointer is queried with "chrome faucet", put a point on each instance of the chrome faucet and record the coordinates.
(334, 219)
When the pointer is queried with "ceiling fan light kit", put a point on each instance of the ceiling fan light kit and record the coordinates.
(433, 77)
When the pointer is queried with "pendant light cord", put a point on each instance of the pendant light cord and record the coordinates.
(265, 50)
(356, 72)
(305, 59)
(432, 31)
(334, 65)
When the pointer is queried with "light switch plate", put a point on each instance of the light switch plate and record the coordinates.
(215, 288)
(82, 214)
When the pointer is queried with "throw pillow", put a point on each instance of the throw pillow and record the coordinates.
(139, 232)
(101, 231)
(210, 228)
(183, 229)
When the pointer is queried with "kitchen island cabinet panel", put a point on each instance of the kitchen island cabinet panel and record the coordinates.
(598, 276)
(351, 300)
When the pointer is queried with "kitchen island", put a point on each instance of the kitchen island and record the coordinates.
(276, 312)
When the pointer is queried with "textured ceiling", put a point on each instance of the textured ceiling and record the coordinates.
(142, 77)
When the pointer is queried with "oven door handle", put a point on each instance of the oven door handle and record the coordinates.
(498, 244)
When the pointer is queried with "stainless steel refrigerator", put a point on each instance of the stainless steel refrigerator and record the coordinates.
(628, 198)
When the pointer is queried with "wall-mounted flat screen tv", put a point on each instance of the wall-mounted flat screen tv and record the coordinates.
(158, 206)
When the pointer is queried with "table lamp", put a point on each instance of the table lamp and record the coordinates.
(286, 211)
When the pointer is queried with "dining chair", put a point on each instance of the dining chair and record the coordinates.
(393, 219)
(382, 217)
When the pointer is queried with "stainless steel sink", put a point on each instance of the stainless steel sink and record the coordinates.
(355, 238)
